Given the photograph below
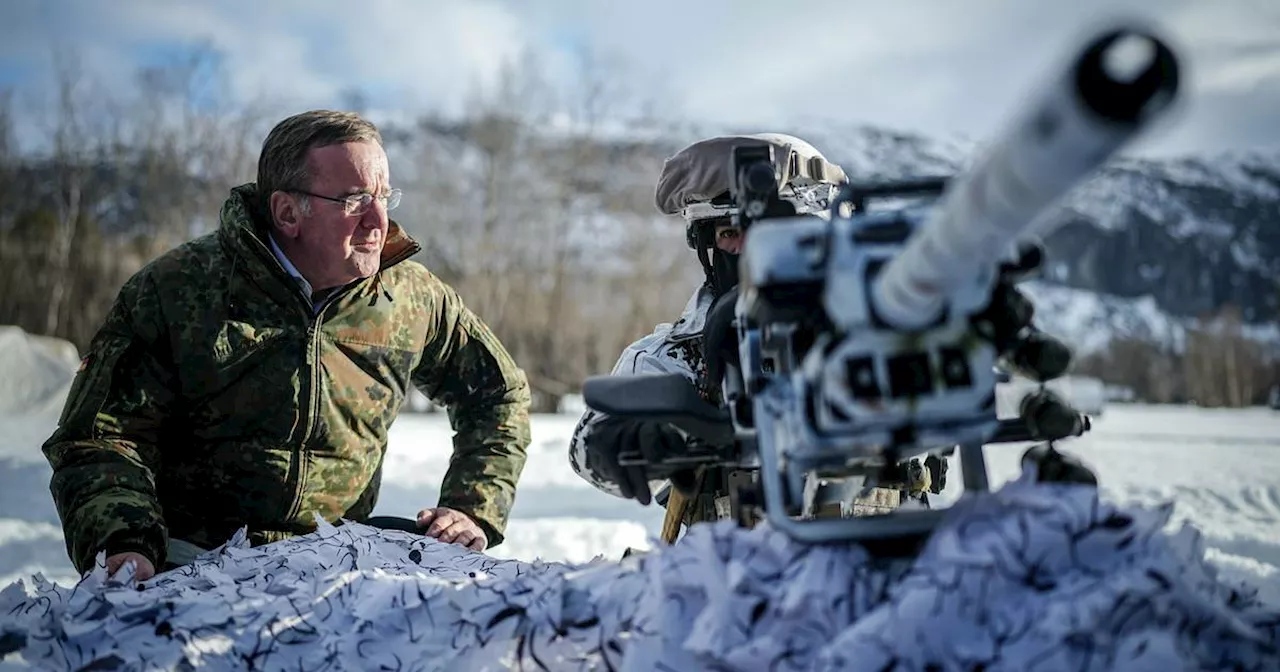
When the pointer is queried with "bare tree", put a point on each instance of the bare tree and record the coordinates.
(542, 218)
(109, 181)
(71, 151)
(8, 158)
(1154, 372)
(193, 143)
(7, 146)
(1222, 365)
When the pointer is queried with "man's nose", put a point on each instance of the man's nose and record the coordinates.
(376, 216)
(732, 246)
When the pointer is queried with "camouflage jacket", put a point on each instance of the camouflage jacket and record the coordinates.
(216, 396)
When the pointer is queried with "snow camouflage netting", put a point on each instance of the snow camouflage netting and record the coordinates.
(1031, 577)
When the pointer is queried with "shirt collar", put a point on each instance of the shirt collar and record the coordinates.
(291, 269)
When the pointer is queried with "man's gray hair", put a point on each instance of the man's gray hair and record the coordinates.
(283, 162)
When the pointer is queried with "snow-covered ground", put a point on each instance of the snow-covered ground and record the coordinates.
(1219, 468)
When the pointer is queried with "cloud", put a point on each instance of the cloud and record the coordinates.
(291, 51)
(932, 66)
(944, 68)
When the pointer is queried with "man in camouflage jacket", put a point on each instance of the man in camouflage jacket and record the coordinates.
(249, 377)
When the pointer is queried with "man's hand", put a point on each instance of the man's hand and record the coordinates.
(143, 570)
(452, 527)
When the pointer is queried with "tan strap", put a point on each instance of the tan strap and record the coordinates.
(676, 505)
(815, 168)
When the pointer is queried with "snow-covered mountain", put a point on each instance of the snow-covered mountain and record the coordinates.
(1142, 249)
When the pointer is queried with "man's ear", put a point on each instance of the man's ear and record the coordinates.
(285, 214)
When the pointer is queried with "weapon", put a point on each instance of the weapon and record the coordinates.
(864, 335)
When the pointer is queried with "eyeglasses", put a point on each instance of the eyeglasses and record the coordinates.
(358, 204)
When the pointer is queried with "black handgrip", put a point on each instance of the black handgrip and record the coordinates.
(393, 523)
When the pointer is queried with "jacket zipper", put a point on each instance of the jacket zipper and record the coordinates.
(295, 474)
(298, 455)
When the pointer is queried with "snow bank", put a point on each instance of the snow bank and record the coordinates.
(35, 376)
(1028, 577)
(36, 370)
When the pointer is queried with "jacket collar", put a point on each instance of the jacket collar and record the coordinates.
(694, 317)
(243, 231)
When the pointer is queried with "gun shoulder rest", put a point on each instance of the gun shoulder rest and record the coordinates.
(664, 397)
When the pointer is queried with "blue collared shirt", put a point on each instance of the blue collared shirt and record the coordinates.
(303, 285)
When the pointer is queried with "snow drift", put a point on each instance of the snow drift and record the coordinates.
(1030, 577)
(36, 370)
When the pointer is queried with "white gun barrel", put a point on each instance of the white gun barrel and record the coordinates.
(1123, 80)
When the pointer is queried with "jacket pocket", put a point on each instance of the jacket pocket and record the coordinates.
(367, 383)
(241, 382)
(92, 382)
(238, 341)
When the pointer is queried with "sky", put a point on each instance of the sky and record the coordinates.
(945, 68)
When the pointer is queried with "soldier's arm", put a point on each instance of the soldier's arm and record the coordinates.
(104, 452)
(647, 355)
(465, 368)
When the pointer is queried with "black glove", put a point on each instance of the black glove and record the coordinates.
(627, 452)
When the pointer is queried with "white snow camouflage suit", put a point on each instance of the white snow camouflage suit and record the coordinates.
(671, 348)
(677, 348)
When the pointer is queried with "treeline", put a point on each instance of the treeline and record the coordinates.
(535, 203)
(1218, 363)
(93, 185)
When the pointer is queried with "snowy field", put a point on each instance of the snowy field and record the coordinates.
(1220, 468)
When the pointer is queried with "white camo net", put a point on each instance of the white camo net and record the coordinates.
(1031, 577)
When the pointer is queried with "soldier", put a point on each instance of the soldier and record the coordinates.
(695, 185)
(250, 376)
